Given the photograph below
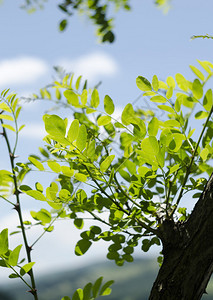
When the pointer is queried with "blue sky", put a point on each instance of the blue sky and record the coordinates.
(147, 43)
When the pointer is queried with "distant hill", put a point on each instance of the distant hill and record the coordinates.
(133, 281)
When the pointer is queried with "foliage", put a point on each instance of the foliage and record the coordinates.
(128, 173)
(96, 10)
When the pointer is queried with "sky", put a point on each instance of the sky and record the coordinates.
(147, 42)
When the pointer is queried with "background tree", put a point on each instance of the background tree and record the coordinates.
(97, 11)
(138, 169)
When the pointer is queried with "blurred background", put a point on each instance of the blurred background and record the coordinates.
(147, 42)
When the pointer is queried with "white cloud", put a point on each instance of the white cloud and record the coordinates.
(21, 70)
(92, 66)
(33, 131)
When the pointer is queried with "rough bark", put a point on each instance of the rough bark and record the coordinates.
(188, 253)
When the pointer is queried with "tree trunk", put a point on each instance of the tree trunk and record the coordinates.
(188, 253)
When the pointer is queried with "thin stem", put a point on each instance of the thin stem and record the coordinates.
(11, 267)
(46, 229)
(103, 191)
(7, 200)
(144, 225)
(191, 162)
(125, 194)
(18, 209)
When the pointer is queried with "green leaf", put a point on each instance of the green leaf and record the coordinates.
(36, 163)
(106, 163)
(153, 126)
(91, 150)
(104, 120)
(182, 82)
(4, 241)
(171, 82)
(150, 145)
(204, 154)
(5, 107)
(65, 298)
(6, 117)
(36, 195)
(128, 114)
(54, 166)
(44, 152)
(190, 133)
(155, 83)
(39, 187)
(78, 81)
(55, 126)
(109, 106)
(169, 93)
(87, 291)
(197, 89)
(171, 123)
(206, 66)
(173, 169)
(72, 98)
(63, 25)
(96, 287)
(207, 100)
(8, 127)
(73, 131)
(80, 177)
(84, 97)
(143, 84)
(201, 115)
(78, 295)
(82, 138)
(57, 94)
(21, 127)
(14, 256)
(197, 72)
(79, 223)
(163, 85)
(26, 268)
(13, 275)
(67, 171)
(44, 216)
(166, 108)
(95, 99)
(82, 247)
(158, 99)
(142, 171)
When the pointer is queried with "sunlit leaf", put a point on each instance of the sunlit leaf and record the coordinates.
(109, 106)
(158, 99)
(54, 125)
(73, 130)
(54, 166)
(197, 72)
(197, 89)
(106, 163)
(36, 163)
(95, 99)
(72, 98)
(5, 107)
(82, 138)
(181, 82)
(104, 120)
(26, 268)
(155, 83)
(4, 241)
(143, 84)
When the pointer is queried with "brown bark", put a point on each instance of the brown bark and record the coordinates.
(188, 253)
